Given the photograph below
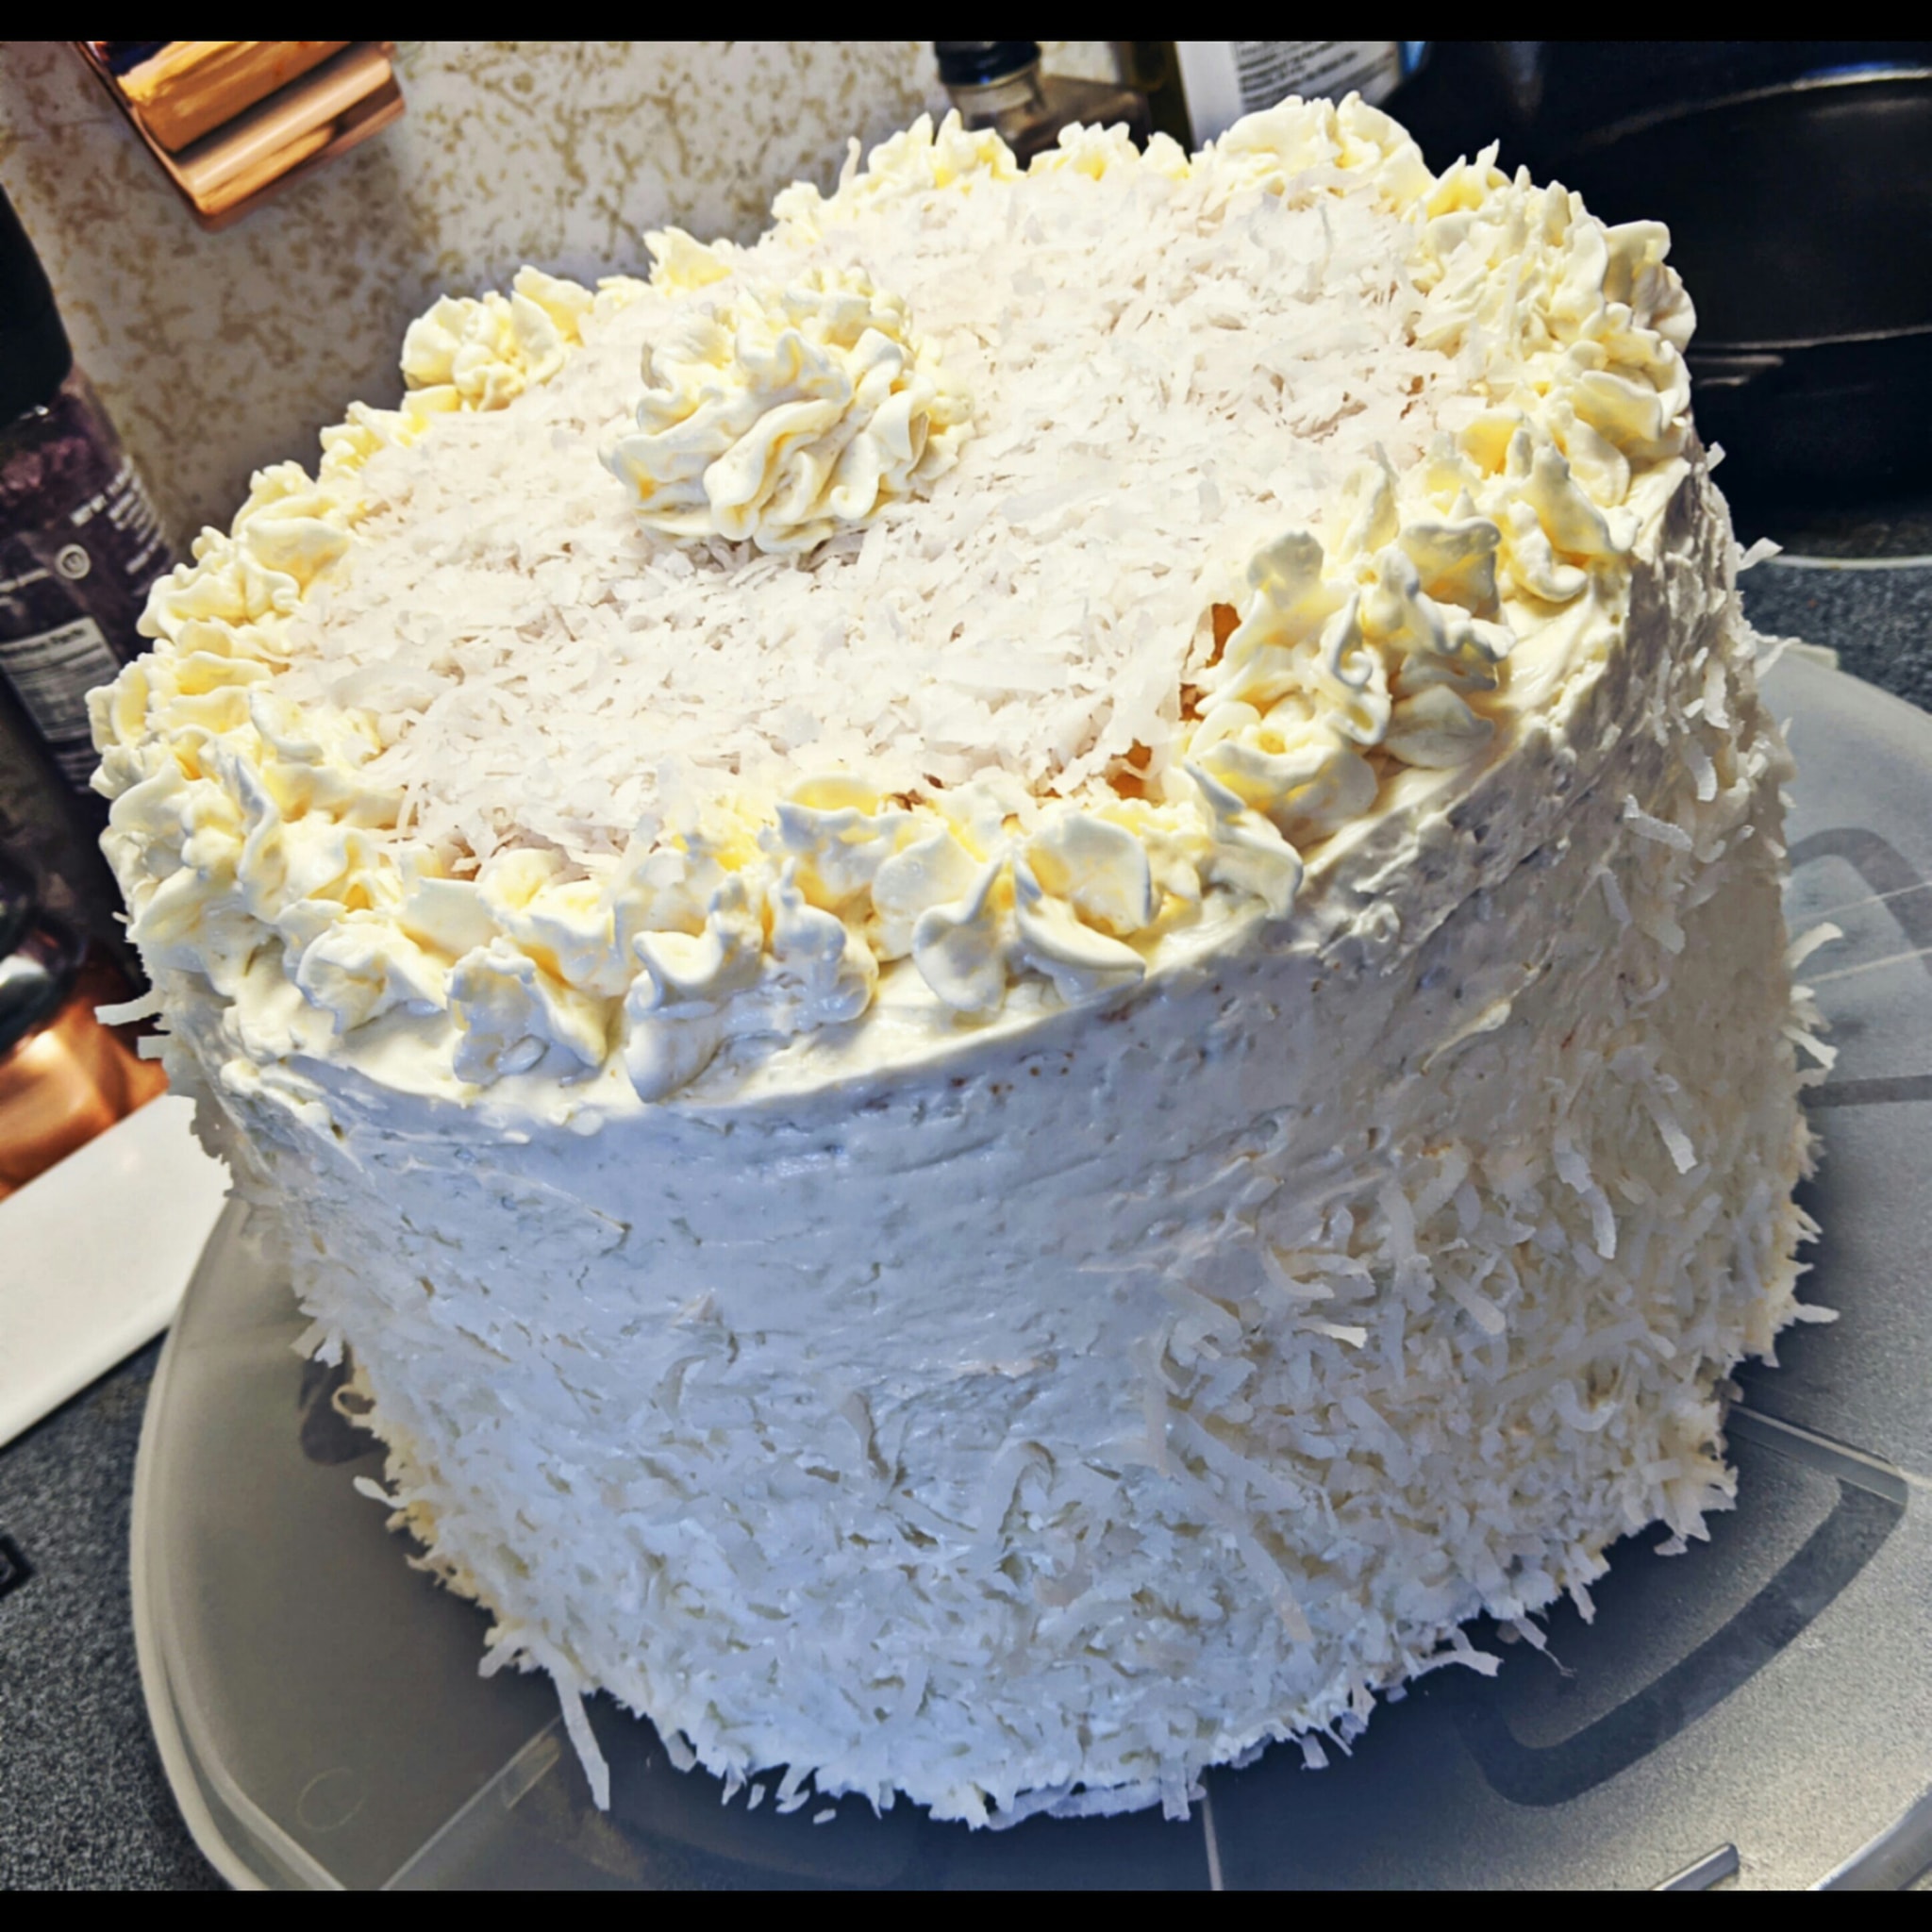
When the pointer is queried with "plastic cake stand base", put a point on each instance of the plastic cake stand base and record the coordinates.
(1758, 1710)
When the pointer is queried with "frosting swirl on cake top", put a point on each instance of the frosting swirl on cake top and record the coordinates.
(788, 414)
(465, 762)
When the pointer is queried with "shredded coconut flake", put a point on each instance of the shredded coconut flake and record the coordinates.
(1645, 826)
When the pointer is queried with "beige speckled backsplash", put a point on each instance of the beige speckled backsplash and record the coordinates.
(219, 353)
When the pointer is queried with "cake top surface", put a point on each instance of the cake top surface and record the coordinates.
(988, 580)
(1156, 373)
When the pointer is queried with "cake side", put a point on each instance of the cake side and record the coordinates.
(1401, 1283)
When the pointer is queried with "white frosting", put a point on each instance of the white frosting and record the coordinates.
(483, 353)
(1476, 451)
(1007, 1252)
(788, 413)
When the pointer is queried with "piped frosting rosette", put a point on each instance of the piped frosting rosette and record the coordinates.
(787, 412)
(257, 852)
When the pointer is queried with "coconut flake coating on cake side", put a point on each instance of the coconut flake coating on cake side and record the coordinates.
(1015, 965)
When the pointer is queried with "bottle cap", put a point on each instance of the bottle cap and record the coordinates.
(34, 353)
(979, 63)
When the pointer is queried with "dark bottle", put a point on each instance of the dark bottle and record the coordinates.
(998, 84)
(79, 540)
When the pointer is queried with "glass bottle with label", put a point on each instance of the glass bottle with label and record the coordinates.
(80, 541)
(999, 84)
(1197, 89)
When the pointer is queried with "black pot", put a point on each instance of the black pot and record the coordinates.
(1801, 220)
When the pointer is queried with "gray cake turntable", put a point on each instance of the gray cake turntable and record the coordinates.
(1758, 1710)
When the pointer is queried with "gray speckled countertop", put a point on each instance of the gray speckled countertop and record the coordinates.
(83, 1800)
(1860, 582)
